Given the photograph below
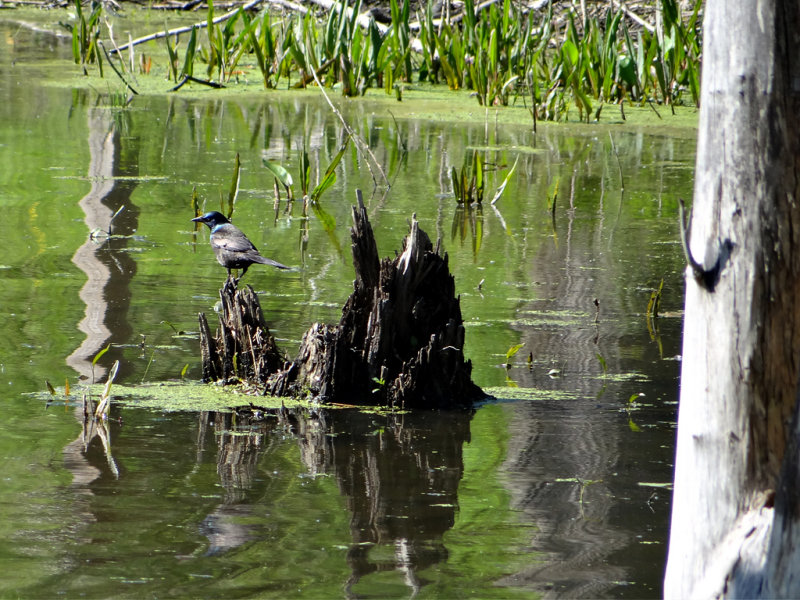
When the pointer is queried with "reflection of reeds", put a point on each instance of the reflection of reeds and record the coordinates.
(653, 306)
(468, 219)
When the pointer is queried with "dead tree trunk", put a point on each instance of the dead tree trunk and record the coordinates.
(741, 347)
(400, 341)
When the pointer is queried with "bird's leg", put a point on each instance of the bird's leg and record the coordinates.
(244, 270)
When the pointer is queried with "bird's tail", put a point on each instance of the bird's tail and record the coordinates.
(268, 261)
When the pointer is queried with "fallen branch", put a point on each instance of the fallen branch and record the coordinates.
(186, 29)
(636, 18)
(114, 67)
(185, 6)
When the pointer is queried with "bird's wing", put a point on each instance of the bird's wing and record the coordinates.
(232, 242)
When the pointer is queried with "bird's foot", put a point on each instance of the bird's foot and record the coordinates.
(231, 282)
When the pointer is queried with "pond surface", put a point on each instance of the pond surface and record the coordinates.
(558, 487)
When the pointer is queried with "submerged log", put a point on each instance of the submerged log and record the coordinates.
(399, 342)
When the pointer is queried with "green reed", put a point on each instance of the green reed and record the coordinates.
(86, 36)
(502, 53)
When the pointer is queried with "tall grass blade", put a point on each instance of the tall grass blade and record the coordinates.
(234, 191)
(503, 185)
(188, 62)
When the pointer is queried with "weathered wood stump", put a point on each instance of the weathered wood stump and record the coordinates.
(243, 348)
(400, 341)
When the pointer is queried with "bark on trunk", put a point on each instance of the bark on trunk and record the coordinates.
(400, 341)
(741, 349)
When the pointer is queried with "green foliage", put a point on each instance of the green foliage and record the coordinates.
(500, 52)
(511, 352)
(311, 197)
(602, 361)
(468, 183)
(173, 58)
(86, 37)
(502, 187)
(97, 357)
(191, 47)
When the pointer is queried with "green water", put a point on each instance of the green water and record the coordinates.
(545, 490)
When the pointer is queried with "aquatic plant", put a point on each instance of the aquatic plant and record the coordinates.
(511, 352)
(86, 36)
(97, 357)
(468, 183)
(502, 51)
(655, 301)
(311, 196)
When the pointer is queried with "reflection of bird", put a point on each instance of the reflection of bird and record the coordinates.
(231, 247)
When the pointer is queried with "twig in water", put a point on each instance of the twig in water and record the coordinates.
(188, 78)
(110, 62)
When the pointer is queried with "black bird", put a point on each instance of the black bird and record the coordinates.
(231, 247)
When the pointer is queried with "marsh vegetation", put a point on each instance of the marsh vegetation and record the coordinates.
(546, 56)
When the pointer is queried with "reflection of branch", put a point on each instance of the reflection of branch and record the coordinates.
(96, 427)
(360, 143)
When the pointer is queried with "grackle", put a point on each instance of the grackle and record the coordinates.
(231, 247)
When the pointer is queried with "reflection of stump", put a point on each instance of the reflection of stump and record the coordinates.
(399, 342)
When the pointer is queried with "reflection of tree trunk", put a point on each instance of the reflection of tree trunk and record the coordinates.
(108, 271)
(560, 462)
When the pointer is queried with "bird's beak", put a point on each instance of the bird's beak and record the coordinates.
(198, 219)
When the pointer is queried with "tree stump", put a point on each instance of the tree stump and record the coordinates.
(399, 342)
(243, 349)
